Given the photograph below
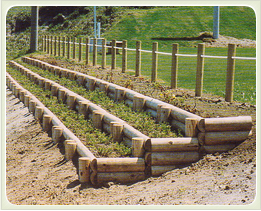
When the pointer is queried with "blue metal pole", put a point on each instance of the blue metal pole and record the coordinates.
(216, 22)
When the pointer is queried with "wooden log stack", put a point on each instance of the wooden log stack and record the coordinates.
(223, 134)
(169, 153)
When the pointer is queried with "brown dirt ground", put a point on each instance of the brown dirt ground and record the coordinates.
(36, 172)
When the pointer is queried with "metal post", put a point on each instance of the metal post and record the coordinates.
(216, 22)
(34, 29)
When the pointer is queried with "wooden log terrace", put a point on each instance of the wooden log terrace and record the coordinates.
(151, 156)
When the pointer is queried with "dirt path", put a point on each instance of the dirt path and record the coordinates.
(36, 172)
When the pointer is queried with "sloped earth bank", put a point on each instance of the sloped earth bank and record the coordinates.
(36, 172)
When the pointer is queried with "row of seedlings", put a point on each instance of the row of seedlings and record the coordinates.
(190, 124)
(120, 169)
(59, 132)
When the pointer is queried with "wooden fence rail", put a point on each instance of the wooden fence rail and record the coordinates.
(48, 43)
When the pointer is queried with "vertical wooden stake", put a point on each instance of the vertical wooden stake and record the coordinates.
(103, 53)
(174, 66)
(54, 90)
(27, 98)
(138, 103)
(47, 122)
(94, 52)
(22, 94)
(59, 46)
(138, 147)
(57, 133)
(230, 72)
(138, 59)
(80, 49)
(191, 127)
(47, 85)
(124, 56)
(62, 95)
(154, 62)
(84, 169)
(32, 105)
(44, 43)
(119, 94)
(73, 39)
(38, 113)
(97, 118)
(165, 113)
(116, 132)
(48, 45)
(87, 51)
(200, 70)
(55, 45)
(83, 108)
(70, 149)
(68, 48)
(51, 45)
(71, 99)
(63, 46)
(113, 54)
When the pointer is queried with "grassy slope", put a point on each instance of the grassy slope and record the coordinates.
(181, 22)
(145, 24)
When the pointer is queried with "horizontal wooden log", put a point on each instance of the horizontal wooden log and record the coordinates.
(181, 115)
(129, 103)
(179, 126)
(171, 144)
(117, 177)
(152, 113)
(171, 158)
(217, 138)
(159, 170)
(240, 123)
(217, 148)
(118, 165)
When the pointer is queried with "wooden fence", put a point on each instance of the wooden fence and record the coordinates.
(49, 45)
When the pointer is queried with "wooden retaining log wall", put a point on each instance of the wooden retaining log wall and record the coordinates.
(161, 111)
(74, 101)
(178, 118)
(210, 135)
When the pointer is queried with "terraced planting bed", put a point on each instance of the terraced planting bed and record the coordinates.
(147, 129)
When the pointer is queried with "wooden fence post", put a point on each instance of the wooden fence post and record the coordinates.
(73, 39)
(138, 59)
(230, 72)
(174, 66)
(87, 54)
(63, 46)
(51, 45)
(154, 62)
(113, 55)
(200, 70)
(80, 49)
(59, 46)
(55, 38)
(103, 53)
(44, 49)
(124, 56)
(68, 47)
(48, 45)
(94, 52)
(84, 169)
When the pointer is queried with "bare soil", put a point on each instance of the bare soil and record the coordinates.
(36, 172)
